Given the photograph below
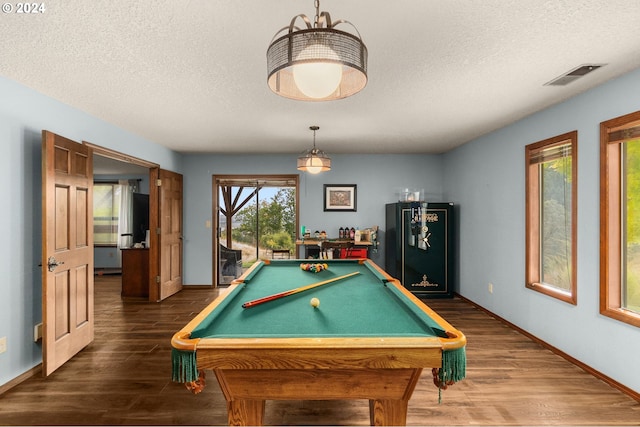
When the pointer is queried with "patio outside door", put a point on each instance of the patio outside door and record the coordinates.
(253, 215)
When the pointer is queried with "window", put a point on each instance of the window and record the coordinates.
(551, 194)
(106, 208)
(620, 218)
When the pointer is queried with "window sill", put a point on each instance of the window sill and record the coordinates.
(622, 315)
(553, 292)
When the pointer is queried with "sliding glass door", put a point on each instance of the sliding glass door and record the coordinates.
(255, 217)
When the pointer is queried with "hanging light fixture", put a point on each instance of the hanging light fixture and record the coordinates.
(318, 63)
(314, 161)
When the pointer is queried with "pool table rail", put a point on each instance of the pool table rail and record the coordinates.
(265, 353)
(293, 354)
(456, 339)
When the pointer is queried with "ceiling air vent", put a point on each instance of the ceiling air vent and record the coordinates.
(574, 74)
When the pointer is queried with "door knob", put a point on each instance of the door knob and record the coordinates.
(52, 263)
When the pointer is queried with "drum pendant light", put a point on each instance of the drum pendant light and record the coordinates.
(314, 161)
(318, 62)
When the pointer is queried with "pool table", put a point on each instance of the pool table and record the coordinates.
(368, 339)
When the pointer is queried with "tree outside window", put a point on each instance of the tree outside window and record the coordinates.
(620, 218)
(276, 222)
(551, 216)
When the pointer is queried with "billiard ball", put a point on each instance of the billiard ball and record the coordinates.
(315, 302)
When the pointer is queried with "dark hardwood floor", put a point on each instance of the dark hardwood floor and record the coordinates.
(123, 378)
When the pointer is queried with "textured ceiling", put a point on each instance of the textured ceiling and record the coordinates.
(191, 75)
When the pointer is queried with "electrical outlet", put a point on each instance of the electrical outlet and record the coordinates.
(37, 332)
(490, 288)
(3, 344)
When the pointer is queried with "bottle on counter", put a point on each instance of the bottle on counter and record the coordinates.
(341, 233)
(346, 232)
(352, 233)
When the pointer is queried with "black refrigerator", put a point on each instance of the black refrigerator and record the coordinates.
(419, 247)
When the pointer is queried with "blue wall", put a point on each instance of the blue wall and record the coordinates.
(377, 177)
(486, 177)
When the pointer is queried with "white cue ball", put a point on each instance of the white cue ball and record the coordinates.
(315, 302)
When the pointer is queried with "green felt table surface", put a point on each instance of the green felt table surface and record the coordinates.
(363, 305)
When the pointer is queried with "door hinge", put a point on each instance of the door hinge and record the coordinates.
(158, 231)
(157, 279)
(158, 183)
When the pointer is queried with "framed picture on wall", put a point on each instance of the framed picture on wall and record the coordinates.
(340, 197)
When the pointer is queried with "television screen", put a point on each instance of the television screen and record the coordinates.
(140, 217)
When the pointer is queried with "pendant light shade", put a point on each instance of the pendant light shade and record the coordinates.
(318, 63)
(314, 161)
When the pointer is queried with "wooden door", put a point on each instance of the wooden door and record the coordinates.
(67, 249)
(170, 233)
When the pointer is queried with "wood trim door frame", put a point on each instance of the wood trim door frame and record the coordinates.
(116, 155)
(154, 175)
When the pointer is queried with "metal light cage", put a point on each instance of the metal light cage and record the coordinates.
(314, 161)
(322, 44)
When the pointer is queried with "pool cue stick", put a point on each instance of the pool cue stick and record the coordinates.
(279, 295)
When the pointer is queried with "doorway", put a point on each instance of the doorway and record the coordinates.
(255, 216)
(121, 220)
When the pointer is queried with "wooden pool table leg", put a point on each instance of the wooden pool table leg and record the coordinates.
(245, 412)
(388, 412)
